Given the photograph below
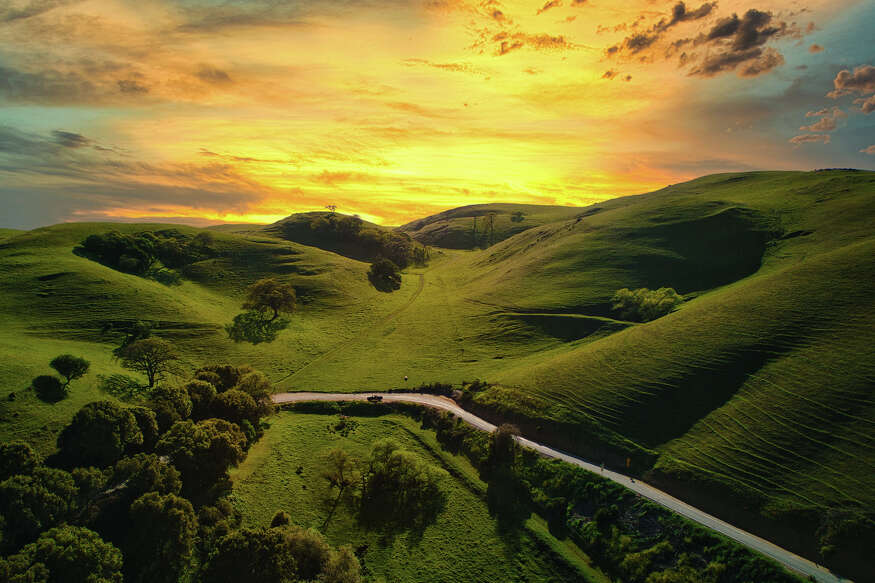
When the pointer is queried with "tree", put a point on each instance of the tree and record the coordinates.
(152, 357)
(251, 554)
(280, 555)
(17, 457)
(162, 539)
(384, 275)
(66, 554)
(49, 388)
(148, 424)
(70, 367)
(33, 503)
(99, 434)
(203, 452)
(269, 295)
(236, 406)
(503, 447)
(201, 394)
(171, 404)
(398, 486)
(517, 217)
(129, 479)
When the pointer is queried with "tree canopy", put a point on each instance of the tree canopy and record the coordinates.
(151, 356)
(384, 275)
(269, 298)
(99, 434)
(17, 457)
(161, 541)
(203, 452)
(70, 367)
(65, 554)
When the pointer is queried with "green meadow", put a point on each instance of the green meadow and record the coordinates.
(753, 399)
(284, 472)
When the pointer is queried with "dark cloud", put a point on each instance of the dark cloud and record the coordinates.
(809, 139)
(732, 43)
(70, 139)
(213, 75)
(679, 13)
(209, 17)
(11, 11)
(610, 74)
(867, 105)
(46, 86)
(132, 87)
(638, 42)
(739, 44)
(102, 180)
(862, 80)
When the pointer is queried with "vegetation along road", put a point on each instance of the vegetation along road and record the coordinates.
(790, 560)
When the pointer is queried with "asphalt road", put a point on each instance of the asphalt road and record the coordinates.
(785, 557)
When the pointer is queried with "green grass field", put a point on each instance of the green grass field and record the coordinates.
(463, 544)
(754, 399)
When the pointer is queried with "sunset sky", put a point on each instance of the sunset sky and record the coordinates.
(206, 111)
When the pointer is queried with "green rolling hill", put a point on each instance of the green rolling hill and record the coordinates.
(754, 399)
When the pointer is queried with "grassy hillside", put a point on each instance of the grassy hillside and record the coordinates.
(283, 472)
(53, 301)
(468, 227)
(753, 399)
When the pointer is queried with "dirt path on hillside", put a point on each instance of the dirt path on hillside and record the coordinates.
(367, 332)
(790, 560)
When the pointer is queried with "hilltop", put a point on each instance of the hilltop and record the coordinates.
(481, 225)
(753, 399)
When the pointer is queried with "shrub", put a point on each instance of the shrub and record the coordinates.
(644, 305)
(384, 275)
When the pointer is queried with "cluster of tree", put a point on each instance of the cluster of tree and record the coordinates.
(398, 247)
(52, 389)
(148, 253)
(644, 305)
(393, 486)
(384, 275)
(266, 300)
(137, 493)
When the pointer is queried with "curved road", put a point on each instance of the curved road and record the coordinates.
(786, 558)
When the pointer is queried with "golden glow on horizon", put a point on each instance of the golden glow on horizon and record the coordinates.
(389, 114)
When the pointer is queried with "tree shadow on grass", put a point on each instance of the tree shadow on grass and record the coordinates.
(252, 327)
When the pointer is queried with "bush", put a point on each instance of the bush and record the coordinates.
(384, 275)
(644, 305)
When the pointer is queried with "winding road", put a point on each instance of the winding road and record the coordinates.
(785, 557)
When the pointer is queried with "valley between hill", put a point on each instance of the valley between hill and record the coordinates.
(753, 400)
